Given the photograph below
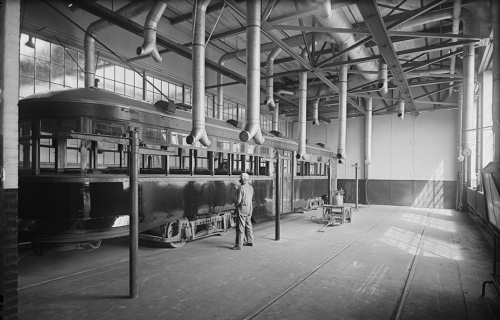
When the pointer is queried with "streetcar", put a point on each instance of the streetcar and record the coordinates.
(74, 171)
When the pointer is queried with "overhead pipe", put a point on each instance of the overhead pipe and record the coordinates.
(149, 45)
(198, 132)
(131, 10)
(302, 111)
(252, 128)
(276, 112)
(401, 109)
(315, 121)
(457, 9)
(468, 86)
(337, 19)
(270, 81)
(276, 115)
(342, 108)
(382, 77)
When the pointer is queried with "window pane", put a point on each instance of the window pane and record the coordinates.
(42, 70)
(157, 84)
(57, 74)
(187, 96)
(149, 85)
(71, 80)
(109, 85)
(129, 91)
(109, 71)
(27, 66)
(138, 93)
(119, 88)
(70, 58)
(81, 60)
(178, 94)
(119, 74)
(129, 77)
(99, 72)
(57, 54)
(41, 86)
(81, 79)
(138, 80)
(26, 86)
(42, 50)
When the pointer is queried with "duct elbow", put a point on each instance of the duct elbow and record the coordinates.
(252, 131)
(149, 47)
(401, 115)
(315, 123)
(198, 134)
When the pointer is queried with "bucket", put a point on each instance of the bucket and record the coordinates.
(338, 200)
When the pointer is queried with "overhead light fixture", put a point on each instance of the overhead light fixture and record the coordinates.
(322, 145)
(30, 43)
(277, 133)
(235, 123)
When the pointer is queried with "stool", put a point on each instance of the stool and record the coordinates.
(331, 212)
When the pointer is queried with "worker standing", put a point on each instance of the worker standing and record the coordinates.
(245, 208)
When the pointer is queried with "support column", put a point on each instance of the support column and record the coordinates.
(9, 95)
(495, 110)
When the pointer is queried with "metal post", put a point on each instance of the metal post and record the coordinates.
(134, 215)
(356, 177)
(278, 198)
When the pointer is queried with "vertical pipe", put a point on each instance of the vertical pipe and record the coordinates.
(278, 198)
(368, 136)
(382, 77)
(495, 110)
(276, 115)
(198, 132)
(220, 91)
(401, 109)
(269, 80)
(315, 121)
(342, 108)
(302, 111)
(144, 85)
(134, 215)
(252, 128)
(457, 8)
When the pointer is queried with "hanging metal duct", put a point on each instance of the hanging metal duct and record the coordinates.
(342, 108)
(495, 108)
(270, 81)
(368, 132)
(149, 45)
(129, 11)
(302, 112)
(316, 112)
(401, 109)
(468, 86)
(276, 116)
(336, 19)
(382, 77)
(198, 132)
(252, 128)
(457, 9)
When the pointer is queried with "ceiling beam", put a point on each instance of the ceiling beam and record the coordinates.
(391, 33)
(306, 12)
(266, 29)
(438, 47)
(189, 16)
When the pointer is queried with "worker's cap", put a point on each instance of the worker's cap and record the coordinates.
(245, 176)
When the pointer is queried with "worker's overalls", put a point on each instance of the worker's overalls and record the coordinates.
(244, 219)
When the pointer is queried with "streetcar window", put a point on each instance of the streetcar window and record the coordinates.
(154, 135)
(264, 168)
(249, 165)
(47, 154)
(108, 128)
(299, 168)
(73, 153)
(237, 164)
(221, 163)
(51, 127)
(251, 148)
(237, 147)
(25, 145)
(265, 151)
(201, 160)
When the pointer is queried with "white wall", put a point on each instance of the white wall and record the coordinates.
(411, 149)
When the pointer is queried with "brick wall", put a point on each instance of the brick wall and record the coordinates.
(9, 258)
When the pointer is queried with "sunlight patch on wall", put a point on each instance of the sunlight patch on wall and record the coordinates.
(432, 194)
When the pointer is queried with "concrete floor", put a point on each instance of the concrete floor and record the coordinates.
(389, 263)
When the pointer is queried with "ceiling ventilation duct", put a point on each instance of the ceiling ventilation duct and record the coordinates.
(382, 77)
(149, 45)
(401, 109)
(252, 128)
(131, 10)
(301, 153)
(198, 132)
(315, 121)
